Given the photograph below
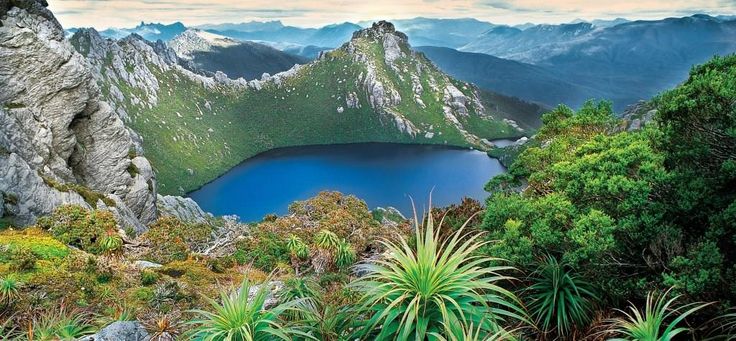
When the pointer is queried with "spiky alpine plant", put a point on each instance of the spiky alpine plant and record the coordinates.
(238, 318)
(473, 333)
(344, 255)
(559, 300)
(441, 287)
(63, 324)
(9, 288)
(659, 321)
(297, 248)
(327, 239)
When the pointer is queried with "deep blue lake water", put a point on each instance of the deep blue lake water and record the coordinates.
(381, 174)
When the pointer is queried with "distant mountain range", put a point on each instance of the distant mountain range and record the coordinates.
(150, 31)
(617, 59)
(440, 32)
(626, 62)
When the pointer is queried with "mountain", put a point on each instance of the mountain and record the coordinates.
(251, 26)
(509, 77)
(374, 88)
(529, 45)
(60, 141)
(602, 22)
(210, 53)
(452, 33)
(150, 31)
(329, 36)
(626, 62)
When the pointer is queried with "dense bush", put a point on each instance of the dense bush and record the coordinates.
(323, 231)
(22, 259)
(263, 249)
(90, 230)
(630, 211)
(171, 239)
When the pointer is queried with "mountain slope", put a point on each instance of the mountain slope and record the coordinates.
(210, 53)
(527, 81)
(372, 89)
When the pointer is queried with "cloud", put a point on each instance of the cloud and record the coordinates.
(125, 13)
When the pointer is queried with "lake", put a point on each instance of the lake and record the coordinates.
(381, 174)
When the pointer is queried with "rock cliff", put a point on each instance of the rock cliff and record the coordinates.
(59, 142)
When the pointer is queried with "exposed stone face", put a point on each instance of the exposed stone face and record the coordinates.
(184, 209)
(54, 125)
(120, 331)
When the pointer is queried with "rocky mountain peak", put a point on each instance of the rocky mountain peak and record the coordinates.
(379, 30)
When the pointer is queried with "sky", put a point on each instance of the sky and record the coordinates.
(103, 14)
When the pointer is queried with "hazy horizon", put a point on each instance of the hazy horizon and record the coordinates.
(103, 14)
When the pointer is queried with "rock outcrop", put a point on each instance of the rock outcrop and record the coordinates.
(120, 331)
(59, 140)
(184, 209)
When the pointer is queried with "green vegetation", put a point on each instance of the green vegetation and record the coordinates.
(90, 196)
(91, 231)
(438, 288)
(659, 321)
(588, 216)
(238, 318)
(173, 240)
(559, 300)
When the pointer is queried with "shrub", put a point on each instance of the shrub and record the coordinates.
(220, 264)
(455, 215)
(559, 300)
(438, 287)
(149, 277)
(659, 321)
(344, 215)
(263, 249)
(172, 239)
(236, 317)
(76, 226)
(22, 259)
